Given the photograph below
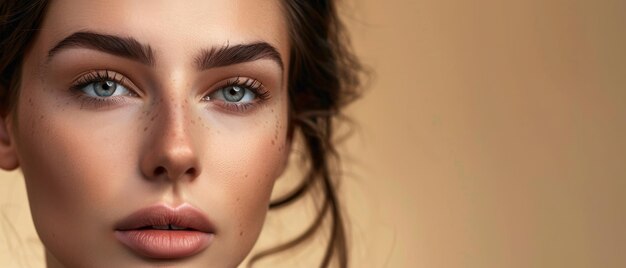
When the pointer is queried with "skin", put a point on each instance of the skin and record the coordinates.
(89, 166)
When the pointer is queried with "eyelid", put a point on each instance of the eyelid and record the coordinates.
(255, 86)
(97, 75)
(252, 84)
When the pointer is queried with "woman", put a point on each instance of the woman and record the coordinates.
(152, 134)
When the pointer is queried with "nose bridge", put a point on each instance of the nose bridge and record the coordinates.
(171, 113)
(170, 151)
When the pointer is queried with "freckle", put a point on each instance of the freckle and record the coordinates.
(237, 199)
(246, 175)
(145, 128)
(241, 233)
(273, 142)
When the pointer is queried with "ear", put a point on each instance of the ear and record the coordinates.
(8, 154)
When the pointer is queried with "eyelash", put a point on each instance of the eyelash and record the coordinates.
(100, 76)
(255, 86)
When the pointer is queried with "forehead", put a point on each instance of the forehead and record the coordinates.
(171, 26)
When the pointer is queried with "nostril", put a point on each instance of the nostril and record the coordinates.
(191, 172)
(159, 171)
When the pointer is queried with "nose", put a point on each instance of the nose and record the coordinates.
(169, 153)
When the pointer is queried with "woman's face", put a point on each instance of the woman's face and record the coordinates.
(136, 118)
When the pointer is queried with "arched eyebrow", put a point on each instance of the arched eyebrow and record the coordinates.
(126, 47)
(129, 47)
(240, 53)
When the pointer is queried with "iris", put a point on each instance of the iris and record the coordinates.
(233, 93)
(104, 88)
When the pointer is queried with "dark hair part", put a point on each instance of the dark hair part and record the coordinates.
(19, 21)
(324, 77)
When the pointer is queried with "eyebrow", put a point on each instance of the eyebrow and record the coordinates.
(129, 47)
(240, 53)
(126, 47)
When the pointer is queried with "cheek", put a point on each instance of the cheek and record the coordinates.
(242, 167)
(75, 168)
(69, 159)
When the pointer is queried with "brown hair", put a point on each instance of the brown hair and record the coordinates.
(324, 77)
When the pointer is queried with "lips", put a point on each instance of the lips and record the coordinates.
(162, 232)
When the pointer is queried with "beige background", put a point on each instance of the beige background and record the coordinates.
(493, 135)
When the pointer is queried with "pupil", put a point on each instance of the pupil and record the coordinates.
(234, 94)
(105, 88)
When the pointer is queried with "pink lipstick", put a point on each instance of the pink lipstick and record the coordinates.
(163, 232)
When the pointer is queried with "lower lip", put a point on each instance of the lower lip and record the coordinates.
(165, 244)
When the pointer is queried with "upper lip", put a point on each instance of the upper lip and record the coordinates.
(183, 216)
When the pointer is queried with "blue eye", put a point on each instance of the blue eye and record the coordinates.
(105, 88)
(239, 95)
(235, 94)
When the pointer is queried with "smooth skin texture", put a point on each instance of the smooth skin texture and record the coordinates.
(88, 165)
